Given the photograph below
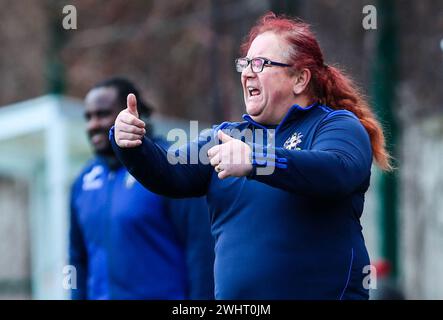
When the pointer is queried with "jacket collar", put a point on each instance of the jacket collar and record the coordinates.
(112, 163)
(293, 112)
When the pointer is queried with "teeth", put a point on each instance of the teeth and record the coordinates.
(251, 89)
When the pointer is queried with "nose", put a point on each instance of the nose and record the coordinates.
(93, 123)
(247, 72)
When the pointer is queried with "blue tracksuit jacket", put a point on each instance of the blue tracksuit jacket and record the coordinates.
(292, 234)
(129, 243)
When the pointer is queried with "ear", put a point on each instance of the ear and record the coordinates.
(301, 81)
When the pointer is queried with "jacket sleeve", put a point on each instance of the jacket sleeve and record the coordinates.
(77, 253)
(338, 162)
(177, 174)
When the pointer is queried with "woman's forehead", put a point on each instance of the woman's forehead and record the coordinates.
(268, 45)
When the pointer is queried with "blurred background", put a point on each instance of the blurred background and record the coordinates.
(180, 53)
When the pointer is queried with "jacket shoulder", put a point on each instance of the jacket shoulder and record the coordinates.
(329, 113)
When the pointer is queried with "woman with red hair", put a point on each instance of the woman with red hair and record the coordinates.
(286, 186)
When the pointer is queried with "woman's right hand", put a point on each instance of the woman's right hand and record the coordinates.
(129, 129)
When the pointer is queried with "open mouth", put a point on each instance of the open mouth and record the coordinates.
(253, 91)
(98, 138)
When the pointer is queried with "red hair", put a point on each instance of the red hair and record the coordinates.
(329, 85)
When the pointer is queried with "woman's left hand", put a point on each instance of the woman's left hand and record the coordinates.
(232, 158)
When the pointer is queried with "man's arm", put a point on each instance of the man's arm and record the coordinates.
(77, 254)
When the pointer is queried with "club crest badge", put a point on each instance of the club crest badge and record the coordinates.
(293, 141)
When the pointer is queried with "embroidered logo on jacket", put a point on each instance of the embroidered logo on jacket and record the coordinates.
(130, 180)
(92, 180)
(293, 142)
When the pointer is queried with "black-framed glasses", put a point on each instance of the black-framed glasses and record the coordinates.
(257, 64)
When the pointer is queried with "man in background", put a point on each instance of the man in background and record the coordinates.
(125, 241)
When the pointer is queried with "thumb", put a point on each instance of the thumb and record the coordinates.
(224, 137)
(132, 104)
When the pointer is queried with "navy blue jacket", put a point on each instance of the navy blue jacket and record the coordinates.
(292, 234)
(129, 243)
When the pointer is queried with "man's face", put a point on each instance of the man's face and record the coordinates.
(268, 94)
(101, 109)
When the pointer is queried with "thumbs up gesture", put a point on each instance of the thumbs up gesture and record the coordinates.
(129, 129)
(232, 158)
(131, 103)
